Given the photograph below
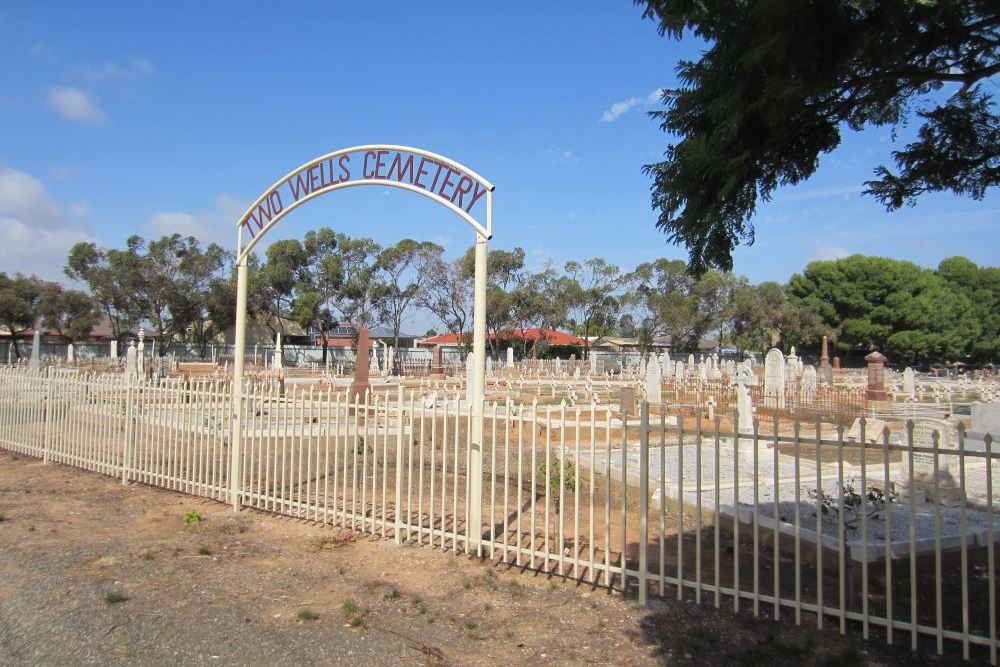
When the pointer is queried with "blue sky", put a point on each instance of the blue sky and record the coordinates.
(125, 117)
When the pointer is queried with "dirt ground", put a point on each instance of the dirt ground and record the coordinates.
(92, 572)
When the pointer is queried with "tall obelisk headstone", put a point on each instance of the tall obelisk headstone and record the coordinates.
(35, 364)
(360, 385)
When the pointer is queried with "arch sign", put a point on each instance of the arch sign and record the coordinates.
(449, 183)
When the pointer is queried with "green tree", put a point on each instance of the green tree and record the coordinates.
(447, 294)
(70, 313)
(594, 294)
(981, 285)
(910, 313)
(285, 267)
(779, 80)
(361, 291)
(110, 279)
(318, 284)
(19, 305)
(404, 269)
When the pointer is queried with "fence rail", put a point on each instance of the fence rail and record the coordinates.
(895, 532)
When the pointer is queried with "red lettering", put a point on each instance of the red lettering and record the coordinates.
(446, 182)
(422, 172)
(436, 175)
(379, 164)
(275, 210)
(479, 192)
(401, 167)
(460, 192)
(313, 178)
(364, 171)
(298, 186)
(345, 161)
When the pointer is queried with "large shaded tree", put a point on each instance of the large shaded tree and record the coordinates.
(780, 80)
(70, 313)
(910, 313)
(19, 304)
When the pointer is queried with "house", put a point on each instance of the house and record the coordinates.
(453, 341)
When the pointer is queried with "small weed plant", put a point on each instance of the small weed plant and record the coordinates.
(192, 516)
(114, 597)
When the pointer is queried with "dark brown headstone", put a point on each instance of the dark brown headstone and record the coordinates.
(436, 366)
(360, 385)
(836, 363)
(626, 401)
(876, 376)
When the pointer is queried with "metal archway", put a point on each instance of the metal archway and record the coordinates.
(385, 165)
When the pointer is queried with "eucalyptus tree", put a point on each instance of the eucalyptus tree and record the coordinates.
(776, 84)
(404, 269)
(19, 304)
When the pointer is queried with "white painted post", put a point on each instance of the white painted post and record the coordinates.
(399, 461)
(643, 502)
(129, 427)
(46, 444)
(236, 441)
(475, 514)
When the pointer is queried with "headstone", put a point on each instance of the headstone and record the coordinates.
(131, 365)
(873, 430)
(70, 354)
(792, 366)
(808, 383)
(510, 357)
(593, 362)
(653, 381)
(836, 363)
(431, 400)
(909, 387)
(558, 365)
(359, 387)
(876, 376)
(140, 354)
(774, 379)
(828, 375)
(744, 410)
(35, 364)
(666, 364)
(278, 361)
(114, 350)
(626, 401)
(986, 419)
(679, 370)
(390, 360)
(489, 366)
(824, 355)
(468, 378)
(436, 366)
(690, 361)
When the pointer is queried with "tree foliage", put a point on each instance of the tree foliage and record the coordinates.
(780, 80)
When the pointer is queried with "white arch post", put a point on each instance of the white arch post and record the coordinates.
(270, 207)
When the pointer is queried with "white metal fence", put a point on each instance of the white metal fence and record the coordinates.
(894, 532)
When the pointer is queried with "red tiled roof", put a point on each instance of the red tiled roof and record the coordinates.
(550, 336)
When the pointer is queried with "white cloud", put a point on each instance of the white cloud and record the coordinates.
(137, 68)
(619, 109)
(215, 225)
(35, 234)
(23, 196)
(829, 252)
(807, 195)
(75, 104)
(562, 155)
